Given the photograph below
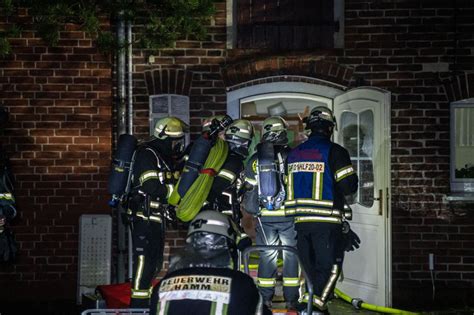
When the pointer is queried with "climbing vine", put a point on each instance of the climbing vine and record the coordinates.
(157, 23)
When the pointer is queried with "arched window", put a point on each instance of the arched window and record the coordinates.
(163, 105)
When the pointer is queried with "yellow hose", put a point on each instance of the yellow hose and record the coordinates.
(195, 197)
(376, 308)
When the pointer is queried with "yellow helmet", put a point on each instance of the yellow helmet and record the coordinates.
(274, 129)
(239, 136)
(169, 127)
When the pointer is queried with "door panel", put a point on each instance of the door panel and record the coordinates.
(363, 118)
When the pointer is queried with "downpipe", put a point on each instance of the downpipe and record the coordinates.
(360, 304)
(121, 129)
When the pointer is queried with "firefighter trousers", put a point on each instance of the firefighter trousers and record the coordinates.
(321, 256)
(276, 233)
(148, 246)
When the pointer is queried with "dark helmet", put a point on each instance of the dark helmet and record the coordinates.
(274, 129)
(170, 130)
(320, 118)
(239, 136)
(206, 126)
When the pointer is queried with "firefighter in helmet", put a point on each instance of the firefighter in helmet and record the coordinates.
(266, 191)
(320, 180)
(202, 279)
(153, 177)
(224, 191)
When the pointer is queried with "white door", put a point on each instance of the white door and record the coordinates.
(363, 117)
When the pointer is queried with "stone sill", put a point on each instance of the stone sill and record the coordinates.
(467, 197)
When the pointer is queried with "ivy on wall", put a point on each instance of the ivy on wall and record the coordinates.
(158, 23)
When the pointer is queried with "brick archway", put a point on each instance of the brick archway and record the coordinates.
(459, 87)
(278, 68)
(168, 81)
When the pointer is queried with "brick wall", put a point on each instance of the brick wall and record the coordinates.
(408, 47)
(59, 143)
(421, 51)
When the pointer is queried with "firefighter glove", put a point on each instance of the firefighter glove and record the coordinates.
(350, 239)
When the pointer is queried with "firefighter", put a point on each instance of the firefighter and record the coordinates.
(153, 176)
(224, 191)
(264, 179)
(8, 245)
(320, 179)
(201, 279)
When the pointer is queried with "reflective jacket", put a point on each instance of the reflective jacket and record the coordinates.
(226, 184)
(206, 291)
(152, 183)
(320, 174)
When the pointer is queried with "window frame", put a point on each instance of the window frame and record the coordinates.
(231, 23)
(458, 185)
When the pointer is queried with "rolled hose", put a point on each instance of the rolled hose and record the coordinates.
(358, 304)
(195, 197)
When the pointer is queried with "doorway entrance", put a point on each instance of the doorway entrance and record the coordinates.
(363, 117)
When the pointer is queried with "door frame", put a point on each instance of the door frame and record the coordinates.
(331, 90)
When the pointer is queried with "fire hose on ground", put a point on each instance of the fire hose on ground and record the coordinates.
(360, 304)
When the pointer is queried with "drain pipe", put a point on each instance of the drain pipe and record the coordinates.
(121, 129)
(130, 78)
(130, 126)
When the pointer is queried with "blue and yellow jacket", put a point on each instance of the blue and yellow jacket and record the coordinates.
(320, 174)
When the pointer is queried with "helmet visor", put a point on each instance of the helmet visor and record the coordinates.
(276, 137)
(238, 145)
(203, 241)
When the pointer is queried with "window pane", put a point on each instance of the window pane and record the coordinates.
(366, 155)
(159, 104)
(366, 142)
(348, 135)
(357, 136)
(464, 134)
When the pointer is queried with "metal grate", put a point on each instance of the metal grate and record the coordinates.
(95, 251)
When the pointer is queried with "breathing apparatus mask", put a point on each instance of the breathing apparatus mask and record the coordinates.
(238, 145)
(177, 146)
(239, 136)
(277, 138)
